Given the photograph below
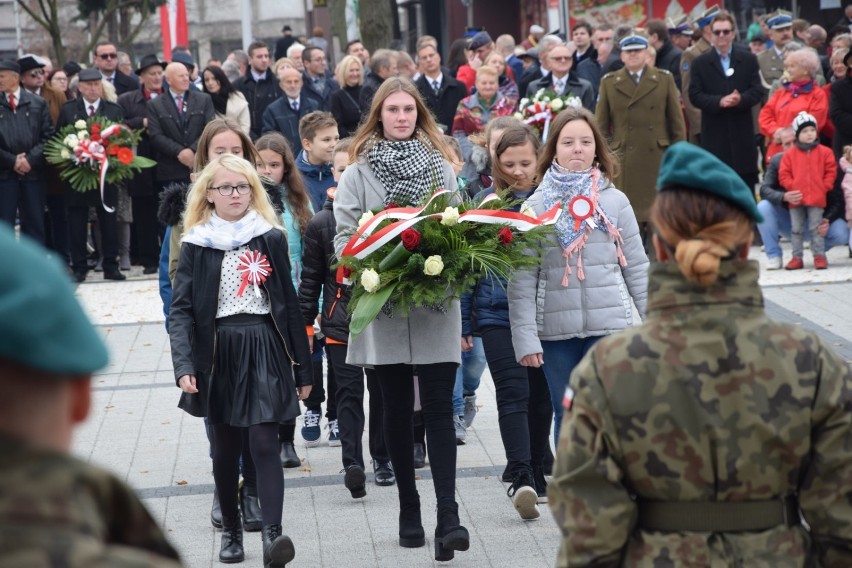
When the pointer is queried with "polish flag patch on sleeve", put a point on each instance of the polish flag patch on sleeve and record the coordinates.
(568, 399)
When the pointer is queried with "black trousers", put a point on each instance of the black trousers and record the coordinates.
(523, 401)
(350, 408)
(78, 221)
(56, 227)
(436, 398)
(318, 391)
(378, 447)
(23, 198)
(146, 229)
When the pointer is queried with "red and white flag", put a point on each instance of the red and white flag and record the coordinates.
(173, 24)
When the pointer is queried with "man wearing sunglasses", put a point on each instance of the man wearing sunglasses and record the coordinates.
(725, 85)
(561, 80)
(106, 61)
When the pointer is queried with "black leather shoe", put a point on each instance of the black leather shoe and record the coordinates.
(114, 275)
(278, 549)
(79, 276)
(419, 456)
(249, 504)
(383, 473)
(449, 534)
(232, 542)
(289, 457)
(216, 511)
(355, 481)
(150, 270)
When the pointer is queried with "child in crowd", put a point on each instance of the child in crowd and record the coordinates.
(523, 403)
(260, 367)
(319, 281)
(278, 166)
(481, 152)
(458, 162)
(846, 184)
(809, 169)
(319, 134)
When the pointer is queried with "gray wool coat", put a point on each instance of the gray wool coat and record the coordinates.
(541, 309)
(425, 336)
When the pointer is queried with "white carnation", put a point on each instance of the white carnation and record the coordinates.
(370, 280)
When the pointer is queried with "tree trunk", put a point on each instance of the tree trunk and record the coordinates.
(376, 24)
(337, 11)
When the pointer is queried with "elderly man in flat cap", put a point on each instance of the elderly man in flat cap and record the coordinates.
(25, 127)
(57, 510)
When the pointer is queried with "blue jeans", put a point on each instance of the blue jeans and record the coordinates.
(560, 358)
(776, 221)
(468, 375)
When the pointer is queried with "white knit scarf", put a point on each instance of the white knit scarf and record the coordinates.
(227, 235)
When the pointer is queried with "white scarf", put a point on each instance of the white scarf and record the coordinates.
(227, 235)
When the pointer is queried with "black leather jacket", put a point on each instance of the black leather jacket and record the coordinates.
(195, 296)
(318, 275)
(26, 131)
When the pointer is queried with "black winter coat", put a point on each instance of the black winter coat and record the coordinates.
(573, 86)
(728, 133)
(124, 83)
(170, 135)
(195, 296)
(372, 82)
(259, 96)
(840, 112)
(346, 109)
(446, 102)
(668, 58)
(280, 117)
(318, 275)
(134, 106)
(26, 131)
(71, 112)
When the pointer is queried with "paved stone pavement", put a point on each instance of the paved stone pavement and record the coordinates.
(137, 431)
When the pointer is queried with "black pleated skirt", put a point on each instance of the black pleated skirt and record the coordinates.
(252, 381)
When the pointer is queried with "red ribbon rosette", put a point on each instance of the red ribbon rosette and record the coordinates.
(254, 269)
(581, 209)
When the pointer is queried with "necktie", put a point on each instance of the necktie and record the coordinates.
(436, 86)
(12, 102)
(635, 77)
(179, 102)
(111, 79)
(295, 106)
(91, 110)
(557, 86)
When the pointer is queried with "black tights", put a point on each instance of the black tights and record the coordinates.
(263, 443)
(436, 398)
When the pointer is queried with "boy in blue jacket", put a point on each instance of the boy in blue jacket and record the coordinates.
(319, 134)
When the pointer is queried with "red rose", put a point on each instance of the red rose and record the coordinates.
(112, 150)
(505, 236)
(347, 272)
(125, 155)
(410, 239)
(391, 205)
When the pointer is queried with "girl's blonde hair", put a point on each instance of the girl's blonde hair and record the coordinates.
(198, 208)
(847, 153)
(343, 69)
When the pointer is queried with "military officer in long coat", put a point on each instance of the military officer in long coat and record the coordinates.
(638, 109)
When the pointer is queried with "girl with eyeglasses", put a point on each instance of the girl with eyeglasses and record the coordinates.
(239, 347)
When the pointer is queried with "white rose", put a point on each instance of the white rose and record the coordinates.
(524, 102)
(528, 211)
(64, 154)
(519, 116)
(71, 141)
(365, 217)
(370, 280)
(83, 135)
(556, 104)
(546, 99)
(433, 265)
(80, 124)
(449, 217)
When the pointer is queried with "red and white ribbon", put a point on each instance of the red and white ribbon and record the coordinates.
(364, 242)
(254, 268)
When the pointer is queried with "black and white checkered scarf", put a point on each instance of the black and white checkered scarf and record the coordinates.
(409, 170)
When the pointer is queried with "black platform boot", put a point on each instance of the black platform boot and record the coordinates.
(232, 541)
(449, 534)
(278, 549)
(411, 534)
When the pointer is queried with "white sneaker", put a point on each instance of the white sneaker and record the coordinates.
(774, 263)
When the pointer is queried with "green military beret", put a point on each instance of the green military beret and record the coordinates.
(687, 165)
(42, 325)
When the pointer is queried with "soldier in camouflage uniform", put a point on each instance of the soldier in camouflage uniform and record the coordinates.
(56, 510)
(710, 435)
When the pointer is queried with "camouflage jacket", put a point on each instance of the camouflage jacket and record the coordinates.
(56, 510)
(708, 400)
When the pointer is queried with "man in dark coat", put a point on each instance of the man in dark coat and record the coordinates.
(668, 55)
(91, 103)
(25, 127)
(441, 92)
(725, 85)
(143, 187)
(259, 85)
(383, 64)
(284, 42)
(562, 80)
(284, 114)
(106, 61)
(175, 123)
(316, 77)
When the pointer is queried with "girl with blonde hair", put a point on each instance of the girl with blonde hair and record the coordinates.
(239, 348)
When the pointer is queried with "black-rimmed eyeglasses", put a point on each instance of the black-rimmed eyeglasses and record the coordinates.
(227, 190)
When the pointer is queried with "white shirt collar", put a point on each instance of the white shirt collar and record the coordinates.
(439, 77)
(96, 104)
(17, 93)
(258, 77)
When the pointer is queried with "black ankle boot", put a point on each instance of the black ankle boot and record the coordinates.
(449, 534)
(289, 457)
(250, 505)
(232, 541)
(411, 534)
(216, 511)
(278, 549)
